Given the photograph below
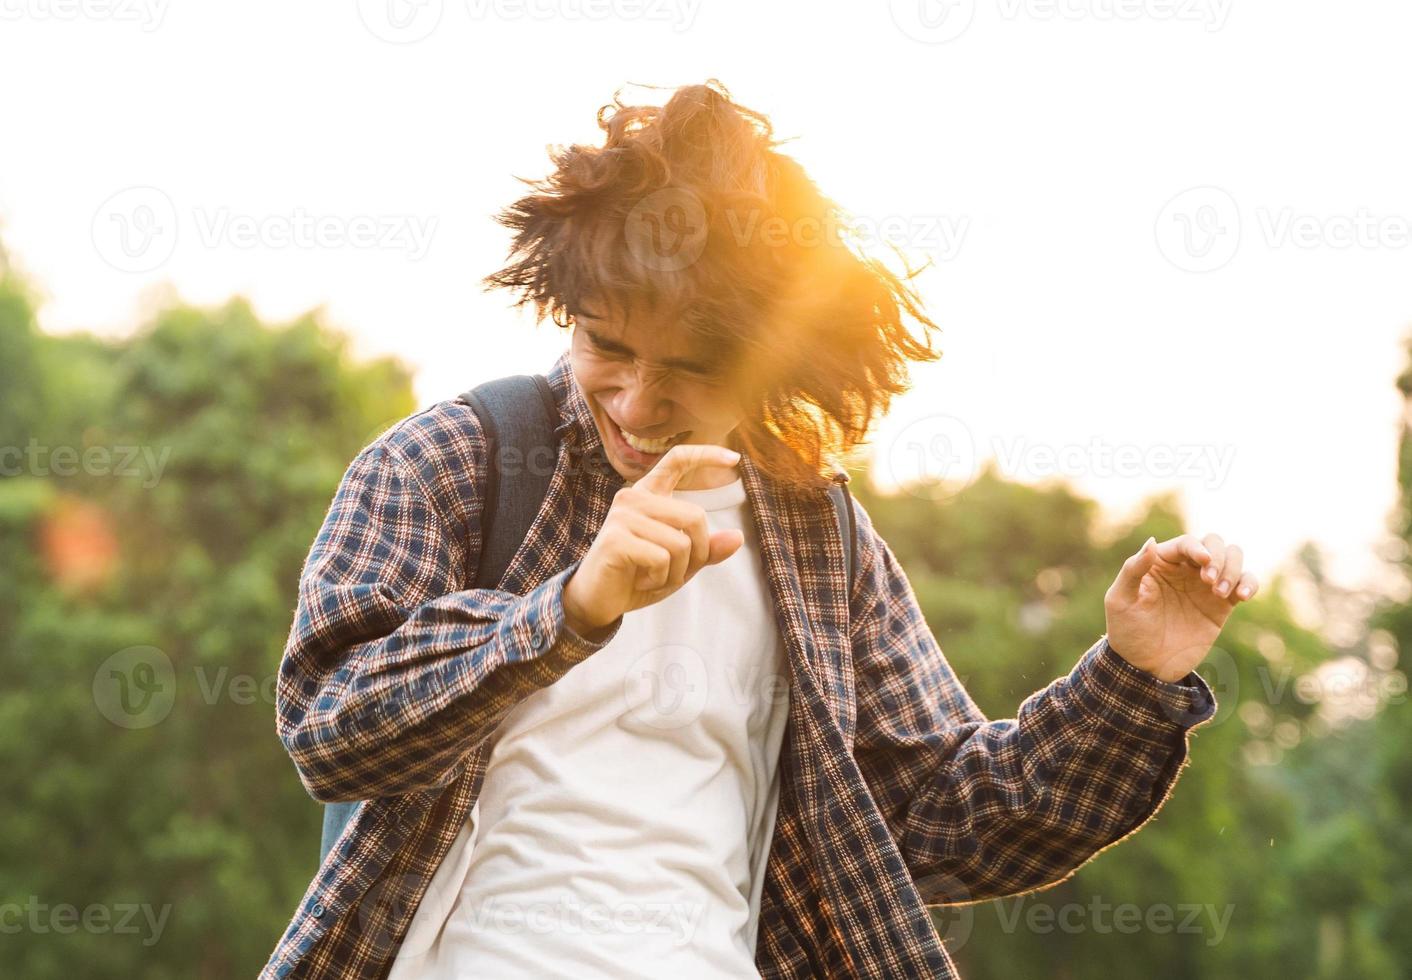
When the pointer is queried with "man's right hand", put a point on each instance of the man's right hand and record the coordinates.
(650, 545)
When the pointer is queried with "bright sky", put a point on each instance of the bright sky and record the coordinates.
(1172, 237)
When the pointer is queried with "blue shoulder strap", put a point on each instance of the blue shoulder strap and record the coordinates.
(847, 525)
(518, 417)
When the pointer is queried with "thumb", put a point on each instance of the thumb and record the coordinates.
(724, 544)
(1135, 568)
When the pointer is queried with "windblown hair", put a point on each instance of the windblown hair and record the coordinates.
(688, 208)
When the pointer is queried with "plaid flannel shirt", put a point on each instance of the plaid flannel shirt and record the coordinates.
(895, 791)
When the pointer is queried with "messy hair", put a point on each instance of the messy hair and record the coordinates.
(689, 208)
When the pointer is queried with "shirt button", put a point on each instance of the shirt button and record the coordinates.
(317, 911)
(537, 639)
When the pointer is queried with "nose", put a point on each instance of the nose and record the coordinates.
(641, 406)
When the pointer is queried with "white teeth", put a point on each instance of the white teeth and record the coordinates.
(652, 446)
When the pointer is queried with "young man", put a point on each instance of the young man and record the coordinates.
(672, 739)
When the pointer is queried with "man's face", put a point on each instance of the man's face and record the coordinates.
(643, 377)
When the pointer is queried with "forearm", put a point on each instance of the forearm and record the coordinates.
(992, 808)
(401, 712)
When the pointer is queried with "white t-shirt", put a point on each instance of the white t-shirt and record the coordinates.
(627, 810)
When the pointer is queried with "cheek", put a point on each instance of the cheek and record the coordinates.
(715, 411)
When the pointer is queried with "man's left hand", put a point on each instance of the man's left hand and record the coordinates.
(1170, 601)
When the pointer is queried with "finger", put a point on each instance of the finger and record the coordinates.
(676, 542)
(1247, 588)
(1230, 571)
(680, 461)
(1184, 548)
(1136, 566)
(1217, 549)
(653, 562)
(687, 517)
(724, 544)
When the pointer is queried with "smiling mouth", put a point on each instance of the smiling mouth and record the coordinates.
(650, 447)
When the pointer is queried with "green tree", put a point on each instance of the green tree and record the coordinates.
(187, 557)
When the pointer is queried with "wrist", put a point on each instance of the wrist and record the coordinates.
(574, 618)
(1166, 675)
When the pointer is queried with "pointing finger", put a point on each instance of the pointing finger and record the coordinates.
(682, 460)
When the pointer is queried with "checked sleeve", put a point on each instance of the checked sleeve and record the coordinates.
(982, 808)
(395, 670)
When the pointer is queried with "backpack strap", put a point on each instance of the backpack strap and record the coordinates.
(847, 524)
(518, 418)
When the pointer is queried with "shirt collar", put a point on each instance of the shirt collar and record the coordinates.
(576, 428)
